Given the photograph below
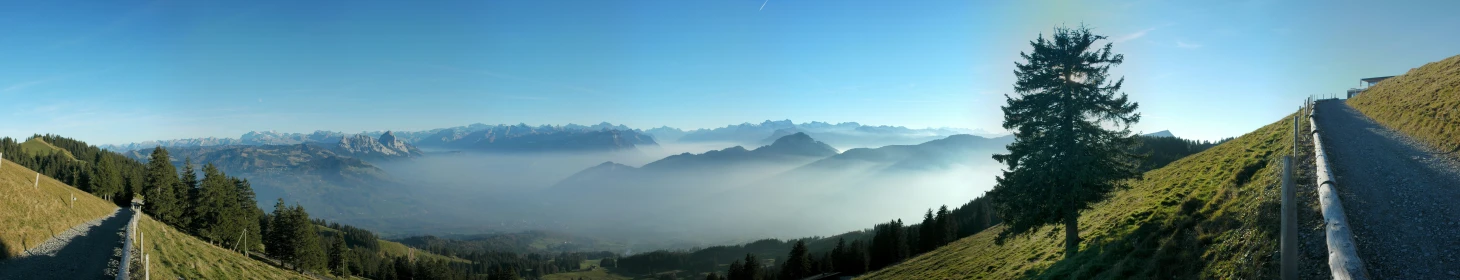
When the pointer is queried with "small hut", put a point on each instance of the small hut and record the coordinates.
(1364, 84)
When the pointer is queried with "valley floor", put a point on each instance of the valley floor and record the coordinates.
(87, 251)
(1398, 194)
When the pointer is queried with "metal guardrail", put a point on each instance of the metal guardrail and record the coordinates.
(124, 268)
(1343, 257)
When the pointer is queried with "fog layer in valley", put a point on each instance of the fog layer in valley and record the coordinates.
(508, 173)
(723, 196)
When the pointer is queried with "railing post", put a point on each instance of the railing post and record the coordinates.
(1289, 224)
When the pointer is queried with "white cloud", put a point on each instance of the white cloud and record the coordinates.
(1132, 36)
(1185, 45)
(24, 85)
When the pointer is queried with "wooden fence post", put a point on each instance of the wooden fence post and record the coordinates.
(1289, 224)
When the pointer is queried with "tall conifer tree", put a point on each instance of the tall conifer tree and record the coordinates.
(219, 219)
(187, 190)
(1072, 140)
(108, 182)
(798, 263)
(159, 185)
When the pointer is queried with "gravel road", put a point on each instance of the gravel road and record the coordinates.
(87, 251)
(1402, 198)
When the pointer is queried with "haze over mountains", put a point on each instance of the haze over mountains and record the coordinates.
(602, 136)
(795, 173)
(656, 187)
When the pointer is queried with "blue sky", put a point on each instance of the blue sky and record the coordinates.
(123, 71)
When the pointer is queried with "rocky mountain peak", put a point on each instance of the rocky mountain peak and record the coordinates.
(386, 147)
(387, 138)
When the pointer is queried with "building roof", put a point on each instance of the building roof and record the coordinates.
(1374, 79)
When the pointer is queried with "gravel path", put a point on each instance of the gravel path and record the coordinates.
(1400, 196)
(90, 250)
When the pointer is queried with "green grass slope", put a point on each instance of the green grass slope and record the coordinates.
(1212, 215)
(30, 215)
(36, 146)
(394, 249)
(176, 255)
(1424, 103)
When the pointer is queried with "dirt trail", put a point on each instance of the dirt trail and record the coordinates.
(91, 250)
(1402, 198)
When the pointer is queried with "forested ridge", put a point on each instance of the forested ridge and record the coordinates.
(222, 210)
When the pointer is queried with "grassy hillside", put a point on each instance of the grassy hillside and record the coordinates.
(1424, 103)
(36, 146)
(1212, 215)
(178, 255)
(393, 249)
(31, 215)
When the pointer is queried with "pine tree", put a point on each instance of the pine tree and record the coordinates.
(220, 219)
(187, 190)
(108, 181)
(929, 233)
(736, 271)
(752, 269)
(889, 245)
(159, 185)
(798, 262)
(337, 256)
(404, 269)
(949, 226)
(279, 240)
(248, 212)
(856, 259)
(1072, 140)
(838, 258)
(387, 271)
(309, 251)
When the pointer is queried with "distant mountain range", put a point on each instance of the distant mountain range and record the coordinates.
(842, 135)
(475, 137)
(793, 170)
(524, 138)
(784, 154)
(599, 137)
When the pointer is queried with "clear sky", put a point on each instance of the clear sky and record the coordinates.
(123, 71)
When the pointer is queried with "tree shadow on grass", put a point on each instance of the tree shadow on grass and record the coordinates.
(86, 256)
(4, 250)
(1178, 245)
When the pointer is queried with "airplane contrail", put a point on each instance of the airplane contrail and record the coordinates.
(762, 5)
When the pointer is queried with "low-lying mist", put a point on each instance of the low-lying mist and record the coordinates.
(507, 173)
(469, 193)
